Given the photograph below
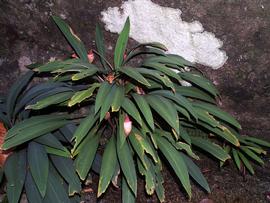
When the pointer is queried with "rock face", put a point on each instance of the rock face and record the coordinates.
(27, 34)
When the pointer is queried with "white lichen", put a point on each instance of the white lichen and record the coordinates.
(152, 22)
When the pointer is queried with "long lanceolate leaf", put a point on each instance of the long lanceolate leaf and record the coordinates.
(121, 45)
(73, 39)
(176, 162)
(127, 165)
(83, 129)
(145, 109)
(201, 82)
(32, 192)
(165, 109)
(86, 154)
(15, 90)
(211, 148)
(81, 96)
(51, 100)
(215, 111)
(15, 172)
(195, 172)
(131, 109)
(27, 130)
(66, 169)
(100, 45)
(127, 194)
(134, 74)
(108, 166)
(39, 166)
(102, 93)
(55, 189)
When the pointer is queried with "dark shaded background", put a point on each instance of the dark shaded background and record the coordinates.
(27, 34)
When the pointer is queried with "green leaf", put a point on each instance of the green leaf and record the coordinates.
(39, 165)
(108, 166)
(107, 102)
(223, 132)
(169, 59)
(73, 39)
(160, 191)
(15, 172)
(51, 141)
(141, 145)
(217, 112)
(56, 192)
(80, 96)
(205, 117)
(32, 132)
(102, 94)
(145, 109)
(178, 99)
(200, 81)
(143, 51)
(127, 194)
(184, 135)
(155, 45)
(211, 148)
(157, 75)
(120, 129)
(132, 110)
(195, 172)
(195, 93)
(134, 74)
(252, 155)
(66, 168)
(57, 152)
(83, 74)
(32, 192)
(32, 122)
(127, 165)
(86, 154)
(51, 100)
(83, 130)
(257, 141)
(118, 97)
(176, 161)
(165, 109)
(121, 45)
(236, 159)
(100, 45)
(164, 69)
(246, 163)
(179, 60)
(15, 91)
(54, 65)
(149, 174)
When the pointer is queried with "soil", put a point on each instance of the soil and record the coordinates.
(28, 35)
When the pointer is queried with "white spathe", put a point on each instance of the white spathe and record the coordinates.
(152, 22)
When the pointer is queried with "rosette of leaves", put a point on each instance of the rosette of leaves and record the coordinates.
(39, 163)
(165, 119)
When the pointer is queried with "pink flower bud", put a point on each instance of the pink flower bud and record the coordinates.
(127, 125)
(74, 55)
(125, 56)
(90, 56)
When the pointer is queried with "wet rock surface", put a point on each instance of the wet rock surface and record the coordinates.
(27, 34)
